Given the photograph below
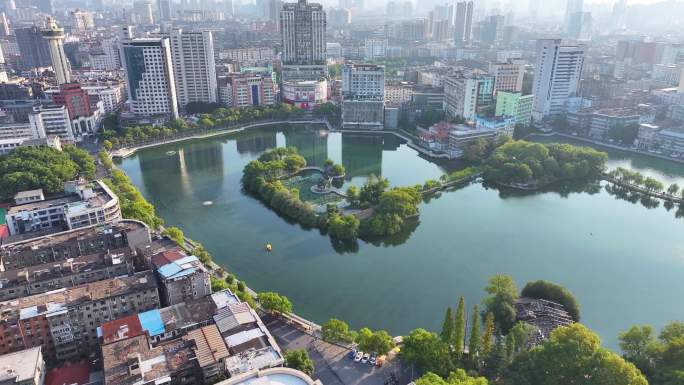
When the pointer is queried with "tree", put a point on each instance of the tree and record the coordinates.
(426, 351)
(459, 328)
(673, 189)
(501, 301)
(475, 338)
(343, 227)
(521, 333)
(335, 330)
(274, 303)
(497, 359)
(379, 341)
(107, 145)
(653, 185)
(353, 196)
(457, 377)
(671, 332)
(573, 355)
(552, 292)
(639, 346)
(447, 334)
(217, 284)
(299, 360)
(487, 335)
(176, 235)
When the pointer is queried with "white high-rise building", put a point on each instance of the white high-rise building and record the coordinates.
(54, 36)
(142, 12)
(149, 76)
(303, 28)
(363, 93)
(556, 78)
(193, 66)
(463, 24)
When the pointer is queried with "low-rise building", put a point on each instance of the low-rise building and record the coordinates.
(397, 93)
(502, 124)
(53, 248)
(463, 136)
(670, 141)
(305, 94)
(64, 322)
(545, 315)
(70, 272)
(82, 205)
(182, 277)
(516, 105)
(597, 123)
(247, 90)
(25, 367)
(467, 95)
(363, 93)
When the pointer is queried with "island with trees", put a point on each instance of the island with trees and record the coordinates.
(528, 165)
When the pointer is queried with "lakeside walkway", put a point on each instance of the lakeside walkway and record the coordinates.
(606, 145)
(124, 152)
(643, 190)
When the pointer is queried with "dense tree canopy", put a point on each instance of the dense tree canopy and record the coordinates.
(426, 351)
(457, 377)
(573, 355)
(274, 302)
(299, 360)
(378, 341)
(28, 168)
(335, 330)
(536, 164)
(501, 301)
(660, 359)
(550, 291)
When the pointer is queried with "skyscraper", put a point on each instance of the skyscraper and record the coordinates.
(149, 74)
(463, 25)
(164, 7)
(303, 29)
(33, 48)
(193, 66)
(573, 17)
(54, 36)
(557, 76)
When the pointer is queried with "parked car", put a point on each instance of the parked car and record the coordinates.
(365, 358)
(373, 359)
(358, 356)
(351, 354)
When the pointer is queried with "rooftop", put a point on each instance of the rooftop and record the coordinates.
(273, 376)
(78, 373)
(133, 361)
(209, 346)
(59, 300)
(20, 366)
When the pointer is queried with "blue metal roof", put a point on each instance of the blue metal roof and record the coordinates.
(151, 322)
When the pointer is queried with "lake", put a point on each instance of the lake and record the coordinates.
(623, 261)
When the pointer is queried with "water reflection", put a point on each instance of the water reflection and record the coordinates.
(362, 154)
(311, 144)
(563, 189)
(255, 142)
(196, 169)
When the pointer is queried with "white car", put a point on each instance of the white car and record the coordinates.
(365, 358)
(358, 356)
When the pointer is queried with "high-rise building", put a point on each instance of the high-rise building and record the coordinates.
(681, 82)
(573, 17)
(55, 36)
(302, 26)
(363, 93)
(149, 74)
(247, 90)
(466, 96)
(4, 25)
(33, 48)
(463, 25)
(164, 7)
(557, 76)
(508, 76)
(142, 12)
(82, 20)
(194, 68)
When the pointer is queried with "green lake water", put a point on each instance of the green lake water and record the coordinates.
(623, 261)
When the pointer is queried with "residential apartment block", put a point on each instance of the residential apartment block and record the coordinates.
(557, 76)
(194, 69)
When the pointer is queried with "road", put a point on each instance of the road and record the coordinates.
(331, 364)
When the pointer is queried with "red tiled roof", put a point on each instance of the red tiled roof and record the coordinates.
(122, 328)
(76, 374)
(166, 256)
